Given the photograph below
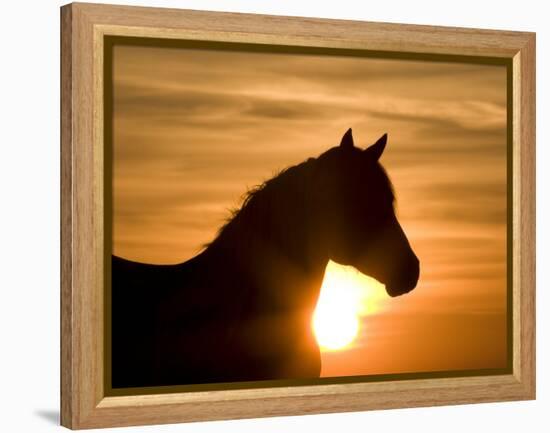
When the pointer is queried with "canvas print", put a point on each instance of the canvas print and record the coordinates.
(306, 216)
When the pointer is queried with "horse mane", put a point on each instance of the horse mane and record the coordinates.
(257, 202)
(280, 197)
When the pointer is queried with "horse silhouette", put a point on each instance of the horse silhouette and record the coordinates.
(241, 309)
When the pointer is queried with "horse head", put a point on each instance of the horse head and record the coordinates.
(353, 208)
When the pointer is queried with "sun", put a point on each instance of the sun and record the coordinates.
(335, 329)
(346, 296)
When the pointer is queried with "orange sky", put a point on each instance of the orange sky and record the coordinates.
(194, 129)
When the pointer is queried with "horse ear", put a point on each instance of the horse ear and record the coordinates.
(375, 151)
(347, 140)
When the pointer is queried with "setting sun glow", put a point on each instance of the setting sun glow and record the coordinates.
(194, 128)
(346, 296)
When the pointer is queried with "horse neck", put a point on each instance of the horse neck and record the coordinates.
(275, 229)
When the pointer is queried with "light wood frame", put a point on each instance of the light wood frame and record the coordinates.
(83, 401)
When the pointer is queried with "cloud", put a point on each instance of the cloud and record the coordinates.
(194, 129)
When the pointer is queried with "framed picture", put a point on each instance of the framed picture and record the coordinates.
(265, 215)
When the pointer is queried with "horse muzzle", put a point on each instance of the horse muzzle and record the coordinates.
(406, 280)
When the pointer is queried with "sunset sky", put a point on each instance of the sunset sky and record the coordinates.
(194, 129)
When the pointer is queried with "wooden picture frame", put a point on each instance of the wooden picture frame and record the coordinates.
(83, 31)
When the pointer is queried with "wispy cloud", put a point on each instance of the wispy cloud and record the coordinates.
(194, 129)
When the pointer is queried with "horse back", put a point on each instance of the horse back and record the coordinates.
(137, 291)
